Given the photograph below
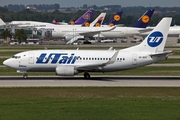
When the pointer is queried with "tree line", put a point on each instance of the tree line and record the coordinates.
(16, 7)
(129, 17)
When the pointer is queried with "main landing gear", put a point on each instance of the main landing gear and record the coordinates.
(25, 76)
(86, 75)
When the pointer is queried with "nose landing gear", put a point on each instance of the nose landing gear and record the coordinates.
(25, 76)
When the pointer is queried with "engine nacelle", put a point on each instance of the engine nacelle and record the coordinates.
(63, 70)
(69, 37)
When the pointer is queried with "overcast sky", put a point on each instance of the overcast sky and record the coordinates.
(78, 3)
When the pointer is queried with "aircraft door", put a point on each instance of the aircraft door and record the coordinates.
(31, 58)
(134, 59)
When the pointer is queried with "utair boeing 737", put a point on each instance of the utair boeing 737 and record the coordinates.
(72, 62)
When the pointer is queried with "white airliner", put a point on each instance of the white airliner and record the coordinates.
(72, 62)
(72, 33)
(174, 31)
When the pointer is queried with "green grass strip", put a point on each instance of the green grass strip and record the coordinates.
(90, 103)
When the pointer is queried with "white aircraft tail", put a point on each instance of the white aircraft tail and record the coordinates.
(100, 17)
(2, 22)
(156, 40)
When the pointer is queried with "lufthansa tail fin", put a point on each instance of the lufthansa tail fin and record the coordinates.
(115, 20)
(144, 20)
(72, 22)
(156, 40)
(86, 23)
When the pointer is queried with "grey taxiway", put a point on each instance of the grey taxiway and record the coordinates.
(95, 81)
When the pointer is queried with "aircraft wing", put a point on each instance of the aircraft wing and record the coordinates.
(145, 30)
(98, 66)
(94, 32)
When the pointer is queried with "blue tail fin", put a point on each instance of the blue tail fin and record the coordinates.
(86, 23)
(115, 19)
(144, 20)
(72, 22)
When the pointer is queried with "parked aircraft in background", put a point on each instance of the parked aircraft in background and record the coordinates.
(86, 16)
(72, 33)
(138, 27)
(72, 62)
(98, 20)
(115, 19)
(2, 23)
(174, 31)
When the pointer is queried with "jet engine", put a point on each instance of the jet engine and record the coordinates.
(66, 70)
(69, 37)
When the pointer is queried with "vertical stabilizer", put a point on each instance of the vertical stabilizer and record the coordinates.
(86, 16)
(156, 40)
(2, 22)
(144, 20)
(115, 20)
(99, 20)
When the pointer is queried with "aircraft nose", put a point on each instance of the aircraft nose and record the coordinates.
(5, 62)
(8, 63)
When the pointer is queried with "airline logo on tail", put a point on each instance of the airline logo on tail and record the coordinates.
(86, 16)
(98, 23)
(155, 39)
(87, 24)
(101, 18)
(145, 19)
(117, 17)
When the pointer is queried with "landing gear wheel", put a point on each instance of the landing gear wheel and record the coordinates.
(86, 75)
(25, 76)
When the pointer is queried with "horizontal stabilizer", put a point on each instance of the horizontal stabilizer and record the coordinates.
(162, 53)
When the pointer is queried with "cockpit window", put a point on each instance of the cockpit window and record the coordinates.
(16, 57)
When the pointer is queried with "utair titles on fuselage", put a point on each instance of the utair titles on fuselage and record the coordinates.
(60, 58)
(72, 62)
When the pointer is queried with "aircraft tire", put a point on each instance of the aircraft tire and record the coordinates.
(25, 76)
(86, 75)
